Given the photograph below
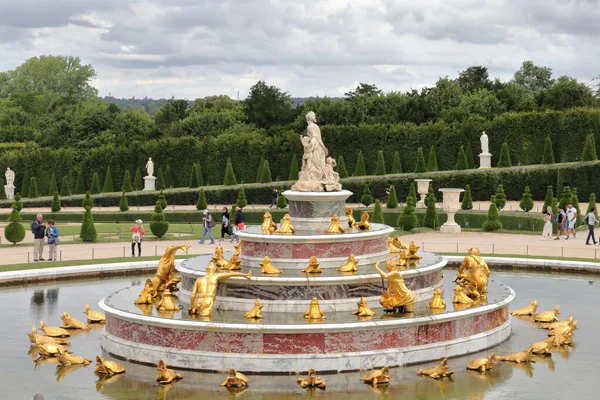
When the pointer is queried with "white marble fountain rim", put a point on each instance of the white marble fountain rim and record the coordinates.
(323, 280)
(306, 328)
(317, 196)
(324, 238)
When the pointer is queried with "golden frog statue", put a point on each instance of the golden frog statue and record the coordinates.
(267, 268)
(94, 317)
(527, 310)
(167, 302)
(460, 297)
(165, 273)
(147, 294)
(235, 379)
(202, 299)
(314, 311)
(65, 359)
(350, 265)
(312, 380)
(268, 226)
(34, 337)
(397, 294)
(351, 220)
(286, 227)
(377, 376)
(363, 224)
(473, 273)
(547, 316)
(313, 266)
(363, 309)
(520, 357)
(481, 364)
(437, 303)
(233, 264)
(54, 331)
(166, 375)
(255, 311)
(437, 371)
(335, 226)
(108, 367)
(395, 244)
(73, 323)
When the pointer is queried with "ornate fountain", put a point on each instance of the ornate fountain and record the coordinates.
(320, 290)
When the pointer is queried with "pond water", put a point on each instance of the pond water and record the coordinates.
(568, 374)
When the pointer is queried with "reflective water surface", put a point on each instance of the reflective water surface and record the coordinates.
(568, 374)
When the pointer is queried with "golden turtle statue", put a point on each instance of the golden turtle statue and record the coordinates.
(437, 371)
(377, 376)
(166, 375)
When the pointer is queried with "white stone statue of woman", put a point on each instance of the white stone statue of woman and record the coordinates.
(484, 143)
(150, 167)
(10, 177)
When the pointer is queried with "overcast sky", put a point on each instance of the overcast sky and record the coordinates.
(195, 48)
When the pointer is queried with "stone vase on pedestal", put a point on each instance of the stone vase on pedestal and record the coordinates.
(485, 161)
(149, 183)
(10, 191)
(422, 189)
(450, 204)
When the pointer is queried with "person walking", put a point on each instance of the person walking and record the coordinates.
(39, 232)
(547, 233)
(571, 220)
(53, 240)
(560, 220)
(137, 236)
(274, 198)
(234, 231)
(591, 220)
(225, 224)
(239, 218)
(207, 223)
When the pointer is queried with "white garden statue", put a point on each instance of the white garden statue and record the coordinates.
(10, 177)
(150, 167)
(485, 149)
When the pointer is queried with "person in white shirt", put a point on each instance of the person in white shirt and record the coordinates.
(571, 220)
(591, 220)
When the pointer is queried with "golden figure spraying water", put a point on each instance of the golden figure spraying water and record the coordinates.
(397, 294)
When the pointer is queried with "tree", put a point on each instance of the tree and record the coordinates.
(14, 232)
(474, 78)
(168, 177)
(565, 93)
(363, 89)
(470, 159)
(88, 229)
(194, 177)
(432, 164)
(261, 165)
(158, 221)
(461, 161)
(293, 175)
(126, 186)
(366, 197)
(229, 178)
(64, 187)
(504, 157)
(548, 156)
(589, 149)
(163, 200)
(79, 184)
(201, 204)
(445, 95)
(377, 213)
(396, 164)
(95, 188)
(533, 77)
(123, 204)
(2, 190)
(18, 204)
(241, 199)
(431, 216)
(548, 199)
(392, 200)
(281, 200)
(592, 204)
(492, 223)
(266, 173)
(137, 180)
(25, 185)
(267, 105)
(420, 166)
(33, 191)
(360, 169)
(565, 198)
(53, 186)
(500, 197)
(467, 203)
(526, 203)
(88, 202)
(380, 168)
(160, 180)
(408, 219)
(108, 187)
(341, 167)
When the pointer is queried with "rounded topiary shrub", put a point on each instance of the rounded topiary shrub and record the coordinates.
(56, 203)
(88, 202)
(492, 223)
(123, 204)
(14, 232)
(158, 222)
(163, 200)
(18, 204)
(88, 229)
(408, 219)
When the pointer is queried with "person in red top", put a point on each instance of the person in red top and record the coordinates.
(137, 234)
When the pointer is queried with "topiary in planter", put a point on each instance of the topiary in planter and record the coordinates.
(56, 203)
(88, 229)
(377, 213)
(492, 223)
(366, 197)
(392, 200)
(14, 232)
(467, 203)
(158, 222)
(124, 204)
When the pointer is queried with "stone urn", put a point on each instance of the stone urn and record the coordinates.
(422, 189)
(450, 204)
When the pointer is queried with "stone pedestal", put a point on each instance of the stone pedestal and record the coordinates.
(149, 183)
(312, 211)
(451, 204)
(422, 189)
(10, 191)
(485, 161)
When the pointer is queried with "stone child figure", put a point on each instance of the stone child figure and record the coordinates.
(10, 177)
(150, 167)
(484, 143)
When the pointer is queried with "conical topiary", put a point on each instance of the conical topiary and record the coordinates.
(431, 216)
(575, 202)
(293, 175)
(261, 165)
(392, 200)
(168, 177)
(565, 198)
(380, 168)
(241, 199)
(123, 204)
(366, 197)
(266, 173)
(470, 158)
(160, 180)
(158, 221)
(492, 223)
(87, 202)
(14, 232)
(461, 161)
(53, 186)
(526, 203)
(201, 204)
(341, 167)
(109, 186)
(420, 165)
(162, 199)
(396, 164)
(25, 185)
(555, 206)
(500, 197)
(432, 164)
(281, 200)
(64, 187)
(589, 149)
(360, 169)
(126, 186)
(592, 204)
(2, 190)
(88, 229)
(229, 178)
(548, 156)
(200, 178)
(33, 192)
(95, 187)
(548, 199)
(408, 219)
(194, 177)
(377, 217)
(18, 204)
(138, 184)
(467, 203)
(79, 183)
(413, 191)
(56, 203)
(504, 160)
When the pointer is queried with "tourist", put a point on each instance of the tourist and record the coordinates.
(53, 240)
(560, 219)
(207, 223)
(234, 231)
(590, 220)
(224, 224)
(274, 198)
(571, 220)
(239, 218)
(39, 231)
(137, 235)
(547, 233)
